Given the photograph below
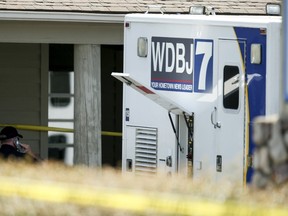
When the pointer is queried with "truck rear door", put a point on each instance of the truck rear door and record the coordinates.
(228, 114)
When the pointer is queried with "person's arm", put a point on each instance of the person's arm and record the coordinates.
(29, 151)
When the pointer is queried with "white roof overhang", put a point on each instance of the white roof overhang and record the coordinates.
(60, 16)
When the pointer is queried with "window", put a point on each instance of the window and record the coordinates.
(231, 80)
(61, 102)
(60, 84)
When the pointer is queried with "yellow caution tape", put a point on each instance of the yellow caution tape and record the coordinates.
(55, 129)
(107, 133)
(38, 128)
(145, 202)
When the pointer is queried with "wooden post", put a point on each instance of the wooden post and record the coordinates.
(87, 109)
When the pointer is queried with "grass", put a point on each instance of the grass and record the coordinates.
(110, 192)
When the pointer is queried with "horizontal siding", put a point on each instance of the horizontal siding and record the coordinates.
(29, 73)
(20, 88)
(19, 117)
(24, 106)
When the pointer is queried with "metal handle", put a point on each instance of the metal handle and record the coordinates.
(216, 124)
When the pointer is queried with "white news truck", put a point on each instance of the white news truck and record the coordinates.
(202, 79)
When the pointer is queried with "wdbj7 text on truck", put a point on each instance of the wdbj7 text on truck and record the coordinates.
(202, 79)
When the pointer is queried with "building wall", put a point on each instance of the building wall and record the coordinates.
(61, 32)
(22, 92)
(24, 53)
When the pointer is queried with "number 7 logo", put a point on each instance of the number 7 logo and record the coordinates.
(203, 68)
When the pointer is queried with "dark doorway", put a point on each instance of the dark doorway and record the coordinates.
(61, 65)
(111, 61)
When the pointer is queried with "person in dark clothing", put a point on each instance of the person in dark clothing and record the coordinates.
(11, 148)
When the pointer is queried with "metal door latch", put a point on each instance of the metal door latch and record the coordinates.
(219, 163)
(169, 161)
